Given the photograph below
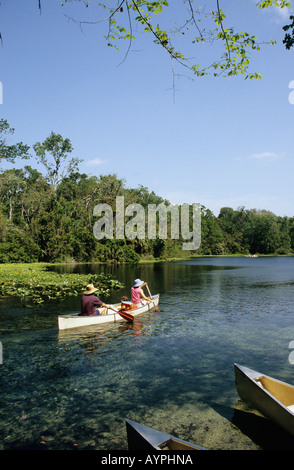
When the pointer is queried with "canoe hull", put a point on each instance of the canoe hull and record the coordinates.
(66, 322)
(142, 437)
(269, 396)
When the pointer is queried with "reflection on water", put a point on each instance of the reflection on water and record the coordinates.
(171, 370)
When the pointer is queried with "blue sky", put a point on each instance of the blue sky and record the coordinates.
(214, 141)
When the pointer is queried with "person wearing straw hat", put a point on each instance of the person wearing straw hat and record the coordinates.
(90, 303)
(137, 292)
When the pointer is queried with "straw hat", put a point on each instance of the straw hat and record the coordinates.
(138, 283)
(90, 289)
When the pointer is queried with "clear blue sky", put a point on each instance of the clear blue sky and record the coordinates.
(216, 141)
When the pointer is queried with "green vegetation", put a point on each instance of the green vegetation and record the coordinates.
(43, 223)
(244, 231)
(11, 152)
(49, 218)
(39, 223)
(193, 29)
(34, 282)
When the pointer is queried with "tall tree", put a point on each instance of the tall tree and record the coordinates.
(211, 233)
(52, 153)
(261, 232)
(11, 185)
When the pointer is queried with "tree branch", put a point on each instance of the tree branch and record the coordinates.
(222, 28)
(163, 42)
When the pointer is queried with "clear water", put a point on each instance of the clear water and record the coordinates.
(171, 370)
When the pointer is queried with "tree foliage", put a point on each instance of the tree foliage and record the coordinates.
(52, 219)
(11, 152)
(181, 37)
(52, 153)
(36, 225)
(289, 36)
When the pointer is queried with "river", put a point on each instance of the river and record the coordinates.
(171, 370)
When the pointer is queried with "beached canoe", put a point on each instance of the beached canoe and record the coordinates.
(271, 397)
(75, 320)
(141, 437)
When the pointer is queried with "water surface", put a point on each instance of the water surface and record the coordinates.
(171, 370)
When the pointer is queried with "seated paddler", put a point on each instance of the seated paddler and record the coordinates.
(137, 292)
(90, 303)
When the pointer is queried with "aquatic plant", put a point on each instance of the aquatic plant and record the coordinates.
(37, 283)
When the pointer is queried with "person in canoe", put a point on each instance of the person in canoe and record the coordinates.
(137, 292)
(90, 303)
(126, 304)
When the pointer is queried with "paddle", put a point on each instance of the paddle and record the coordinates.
(156, 309)
(125, 315)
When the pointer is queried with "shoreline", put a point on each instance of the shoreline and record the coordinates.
(143, 261)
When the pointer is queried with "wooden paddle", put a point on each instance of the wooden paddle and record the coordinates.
(156, 309)
(125, 315)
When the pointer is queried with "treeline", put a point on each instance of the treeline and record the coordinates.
(39, 224)
(49, 217)
(244, 231)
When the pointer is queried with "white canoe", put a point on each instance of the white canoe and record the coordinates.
(75, 320)
(142, 437)
(271, 397)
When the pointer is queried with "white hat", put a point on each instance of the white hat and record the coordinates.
(138, 283)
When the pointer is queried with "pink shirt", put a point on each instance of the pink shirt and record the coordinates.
(135, 295)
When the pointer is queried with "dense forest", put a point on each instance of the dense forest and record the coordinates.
(49, 216)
